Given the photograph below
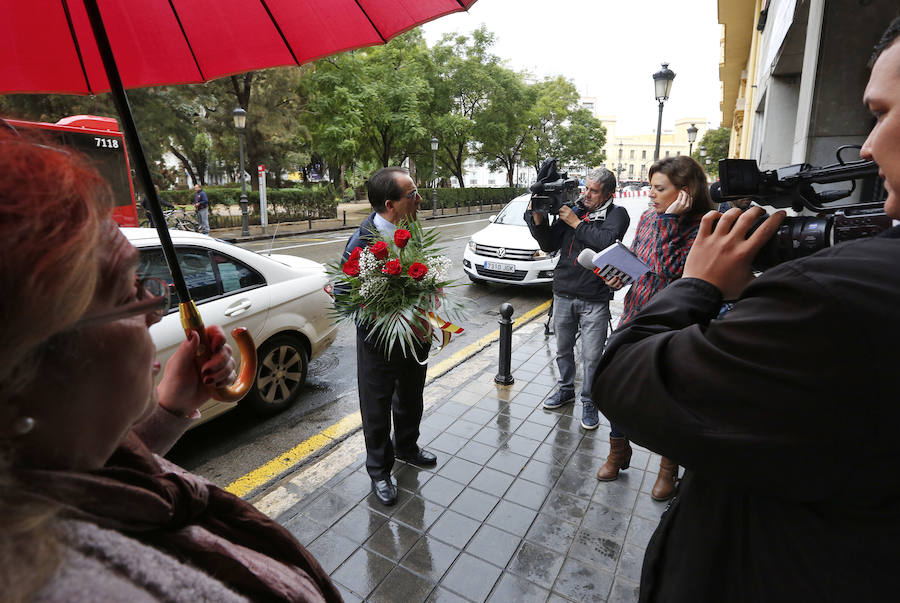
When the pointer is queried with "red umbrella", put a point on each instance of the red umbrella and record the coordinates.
(94, 46)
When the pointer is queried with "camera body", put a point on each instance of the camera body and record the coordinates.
(552, 189)
(792, 186)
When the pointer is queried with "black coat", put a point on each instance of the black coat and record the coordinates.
(784, 414)
(570, 279)
(366, 234)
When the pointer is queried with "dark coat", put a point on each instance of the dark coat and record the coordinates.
(570, 279)
(784, 414)
(364, 235)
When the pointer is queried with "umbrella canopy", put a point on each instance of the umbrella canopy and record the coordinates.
(48, 45)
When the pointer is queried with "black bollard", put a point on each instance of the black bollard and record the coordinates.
(345, 217)
(504, 375)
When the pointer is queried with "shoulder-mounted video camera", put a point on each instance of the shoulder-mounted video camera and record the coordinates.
(552, 189)
(793, 186)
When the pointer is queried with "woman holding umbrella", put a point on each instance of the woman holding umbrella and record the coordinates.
(88, 510)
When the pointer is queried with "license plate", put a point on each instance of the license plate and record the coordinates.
(499, 267)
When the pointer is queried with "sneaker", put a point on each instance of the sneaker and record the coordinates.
(559, 398)
(590, 418)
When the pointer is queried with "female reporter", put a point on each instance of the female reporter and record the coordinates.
(679, 197)
(87, 510)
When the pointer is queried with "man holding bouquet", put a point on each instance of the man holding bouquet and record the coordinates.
(391, 382)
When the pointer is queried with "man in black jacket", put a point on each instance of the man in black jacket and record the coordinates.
(389, 385)
(783, 412)
(580, 298)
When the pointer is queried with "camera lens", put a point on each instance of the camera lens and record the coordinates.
(797, 237)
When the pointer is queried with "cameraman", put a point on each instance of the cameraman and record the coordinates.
(580, 298)
(783, 412)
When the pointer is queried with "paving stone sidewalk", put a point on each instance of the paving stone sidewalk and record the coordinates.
(512, 512)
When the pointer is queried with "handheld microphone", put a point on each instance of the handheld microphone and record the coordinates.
(586, 259)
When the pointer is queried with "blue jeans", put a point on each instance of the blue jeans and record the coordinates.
(203, 215)
(592, 317)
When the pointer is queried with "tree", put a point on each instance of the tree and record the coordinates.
(556, 98)
(465, 77)
(500, 128)
(582, 139)
(716, 143)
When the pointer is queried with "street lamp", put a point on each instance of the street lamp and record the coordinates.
(434, 146)
(692, 136)
(518, 171)
(240, 124)
(662, 82)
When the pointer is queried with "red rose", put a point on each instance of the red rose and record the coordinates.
(351, 268)
(354, 255)
(379, 250)
(401, 237)
(394, 267)
(417, 271)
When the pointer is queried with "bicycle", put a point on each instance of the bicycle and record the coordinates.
(179, 220)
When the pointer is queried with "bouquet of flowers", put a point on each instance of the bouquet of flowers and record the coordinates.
(395, 287)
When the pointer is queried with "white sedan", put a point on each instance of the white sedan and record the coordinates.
(505, 252)
(280, 299)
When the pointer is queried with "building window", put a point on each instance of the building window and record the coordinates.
(667, 153)
(631, 155)
(620, 152)
(644, 154)
(631, 170)
(678, 153)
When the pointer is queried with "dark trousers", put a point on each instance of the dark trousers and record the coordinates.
(388, 387)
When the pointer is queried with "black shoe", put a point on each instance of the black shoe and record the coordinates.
(385, 491)
(422, 458)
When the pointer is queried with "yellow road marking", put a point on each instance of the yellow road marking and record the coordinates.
(285, 462)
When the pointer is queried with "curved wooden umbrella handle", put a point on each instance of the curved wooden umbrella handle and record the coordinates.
(191, 321)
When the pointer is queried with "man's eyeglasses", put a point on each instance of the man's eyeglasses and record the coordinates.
(411, 195)
(152, 298)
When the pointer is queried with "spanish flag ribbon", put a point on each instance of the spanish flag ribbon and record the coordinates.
(446, 328)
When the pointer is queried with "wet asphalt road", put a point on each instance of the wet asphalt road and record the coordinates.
(238, 442)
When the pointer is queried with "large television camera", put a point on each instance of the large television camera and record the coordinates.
(793, 186)
(552, 189)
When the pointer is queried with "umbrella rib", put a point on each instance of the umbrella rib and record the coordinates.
(187, 41)
(87, 82)
(280, 33)
(372, 23)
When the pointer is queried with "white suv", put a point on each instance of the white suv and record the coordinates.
(505, 252)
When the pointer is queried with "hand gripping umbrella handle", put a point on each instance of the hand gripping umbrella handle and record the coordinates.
(191, 321)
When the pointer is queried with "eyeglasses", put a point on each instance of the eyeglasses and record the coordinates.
(411, 195)
(153, 297)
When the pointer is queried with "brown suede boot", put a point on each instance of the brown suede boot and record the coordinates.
(619, 458)
(664, 487)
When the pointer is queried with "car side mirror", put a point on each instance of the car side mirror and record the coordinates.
(492, 218)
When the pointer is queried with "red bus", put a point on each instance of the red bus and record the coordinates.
(101, 141)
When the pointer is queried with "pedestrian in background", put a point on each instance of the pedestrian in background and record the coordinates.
(201, 204)
(678, 199)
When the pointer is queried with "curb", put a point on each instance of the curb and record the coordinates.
(300, 456)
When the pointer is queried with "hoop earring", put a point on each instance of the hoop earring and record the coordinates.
(23, 425)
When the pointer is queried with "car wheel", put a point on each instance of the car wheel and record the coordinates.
(280, 375)
(475, 281)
